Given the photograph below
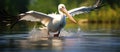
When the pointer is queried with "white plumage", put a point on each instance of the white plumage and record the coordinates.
(55, 22)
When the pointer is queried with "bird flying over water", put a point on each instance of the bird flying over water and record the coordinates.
(55, 22)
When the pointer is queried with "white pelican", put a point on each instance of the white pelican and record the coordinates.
(55, 22)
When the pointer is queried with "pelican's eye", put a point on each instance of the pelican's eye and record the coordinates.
(62, 6)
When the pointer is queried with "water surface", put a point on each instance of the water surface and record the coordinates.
(83, 38)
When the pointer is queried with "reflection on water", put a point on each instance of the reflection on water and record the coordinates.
(101, 28)
(88, 38)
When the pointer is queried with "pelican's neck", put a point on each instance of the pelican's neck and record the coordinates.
(61, 13)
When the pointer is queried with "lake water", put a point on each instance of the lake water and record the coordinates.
(74, 38)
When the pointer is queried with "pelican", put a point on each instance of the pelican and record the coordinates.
(55, 22)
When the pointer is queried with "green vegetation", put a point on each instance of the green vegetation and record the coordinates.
(104, 15)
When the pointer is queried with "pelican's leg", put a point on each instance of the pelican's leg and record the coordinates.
(57, 35)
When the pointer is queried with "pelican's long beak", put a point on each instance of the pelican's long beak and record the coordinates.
(64, 10)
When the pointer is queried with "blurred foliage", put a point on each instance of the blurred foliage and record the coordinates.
(9, 9)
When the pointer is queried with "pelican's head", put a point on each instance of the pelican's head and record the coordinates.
(60, 7)
(63, 11)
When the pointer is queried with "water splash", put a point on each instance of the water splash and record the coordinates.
(36, 34)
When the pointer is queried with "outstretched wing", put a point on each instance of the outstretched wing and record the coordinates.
(85, 9)
(36, 17)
